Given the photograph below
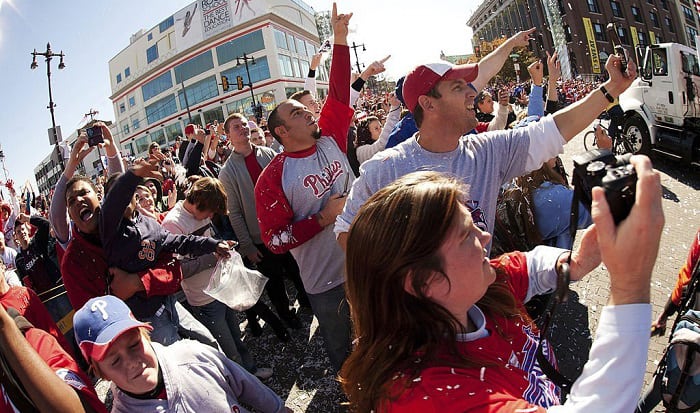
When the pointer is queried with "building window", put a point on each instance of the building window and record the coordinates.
(158, 136)
(135, 123)
(281, 39)
(165, 24)
(637, 14)
(132, 101)
(152, 53)
(616, 8)
(669, 24)
(622, 32)
(599, 32)
(160, 109)
(142, 144)
(567, 32)
(311, 49)
(688, 14)
(258, 72)
(286, 65)
(127, 72)
(122, 107)
(593, 6)
(194, 66)
(691, 34)
(664, 4)
(172, 131)
(199, 92)
(301, 47)
(157, 86)
(248, 44)
(150, 36)
(119, 77)
(125, 128)
(643, 38)
(654, 19)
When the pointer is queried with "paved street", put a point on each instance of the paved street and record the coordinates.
(301, 376)
(682, 211)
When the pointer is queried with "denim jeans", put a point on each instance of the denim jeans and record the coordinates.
(173, 322)
(651, 396)
(333, 314)
(222, 322)
(552, 208)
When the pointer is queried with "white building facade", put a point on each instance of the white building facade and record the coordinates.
(171, 74)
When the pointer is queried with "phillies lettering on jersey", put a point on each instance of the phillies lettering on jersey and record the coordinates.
(323, 182)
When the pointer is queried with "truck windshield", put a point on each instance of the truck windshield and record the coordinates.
(690, 64)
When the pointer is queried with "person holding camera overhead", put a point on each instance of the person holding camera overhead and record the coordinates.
(457, 338)
(441, 98)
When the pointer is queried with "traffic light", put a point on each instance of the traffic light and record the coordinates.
(239, 81)
(477, 51)
(224, 83)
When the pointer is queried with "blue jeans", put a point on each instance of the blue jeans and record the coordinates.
(552, 208)
(333, 314)
(222, 322)
(173, 322)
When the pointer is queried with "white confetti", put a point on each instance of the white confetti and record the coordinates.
(481, 373)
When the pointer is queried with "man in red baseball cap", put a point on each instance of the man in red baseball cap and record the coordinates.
(441, 98)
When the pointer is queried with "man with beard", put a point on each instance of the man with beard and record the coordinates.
(301, 191)
(441, 98)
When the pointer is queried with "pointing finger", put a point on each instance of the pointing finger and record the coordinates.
(385, 59)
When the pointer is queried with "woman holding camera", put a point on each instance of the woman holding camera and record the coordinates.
(439, 327)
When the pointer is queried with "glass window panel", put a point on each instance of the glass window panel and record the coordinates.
(281, 39)
(160, 109)
(157, 86)
(249, 43)
(193, 67)
(199, 92)
(286, 65)
(142, 144)
(152, 53)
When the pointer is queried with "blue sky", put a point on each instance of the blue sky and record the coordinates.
(92, 32)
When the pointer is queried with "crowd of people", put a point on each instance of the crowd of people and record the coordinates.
(415, 227)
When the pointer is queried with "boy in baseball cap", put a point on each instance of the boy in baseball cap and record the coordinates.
(183, 377)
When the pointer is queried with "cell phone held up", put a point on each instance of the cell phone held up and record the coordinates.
(94, 135)
(617, 46)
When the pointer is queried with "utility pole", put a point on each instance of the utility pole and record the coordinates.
(357, 59)
(184, 92)
(245, 58)
(55, 132)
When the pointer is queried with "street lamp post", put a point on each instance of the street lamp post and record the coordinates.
(357, 59)
(245, 58)
(54, 134)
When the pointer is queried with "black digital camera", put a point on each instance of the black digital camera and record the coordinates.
(615, 174)
(94, 135)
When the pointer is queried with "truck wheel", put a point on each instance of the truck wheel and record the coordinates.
(637, 136)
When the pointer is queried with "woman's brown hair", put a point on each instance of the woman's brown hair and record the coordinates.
(393, 245)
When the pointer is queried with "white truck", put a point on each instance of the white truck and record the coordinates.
(662, 107)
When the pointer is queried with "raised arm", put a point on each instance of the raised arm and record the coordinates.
(58, 212)
(576, 117)
(490, 65)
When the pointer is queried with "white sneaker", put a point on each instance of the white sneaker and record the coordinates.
(263, 373)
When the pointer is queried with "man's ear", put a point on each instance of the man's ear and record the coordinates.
(425, 102)
(408, 284)
(281, 131)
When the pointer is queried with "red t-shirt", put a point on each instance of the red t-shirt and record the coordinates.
(254, 168)
(63, 365)
(28, 304)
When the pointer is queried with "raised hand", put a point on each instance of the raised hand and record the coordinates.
(341, 23)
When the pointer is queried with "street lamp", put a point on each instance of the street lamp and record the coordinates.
(245, 58)
(54, 132)
(357, 60)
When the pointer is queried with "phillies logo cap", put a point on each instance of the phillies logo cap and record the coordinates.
(101, 321)
(424, 77)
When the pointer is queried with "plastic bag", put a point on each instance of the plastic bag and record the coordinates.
(234, 284)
